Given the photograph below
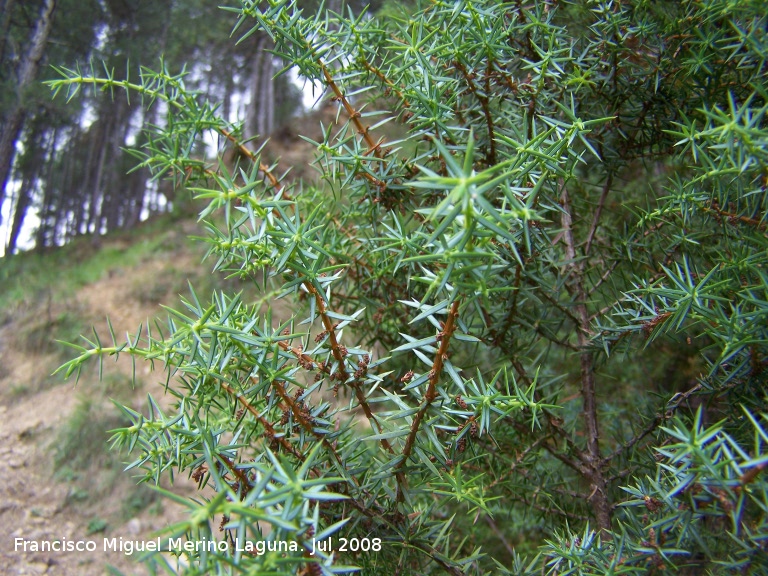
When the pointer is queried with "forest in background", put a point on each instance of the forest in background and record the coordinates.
(64, 170)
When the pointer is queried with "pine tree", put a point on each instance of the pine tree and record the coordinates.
(13, 122)
(86, 143)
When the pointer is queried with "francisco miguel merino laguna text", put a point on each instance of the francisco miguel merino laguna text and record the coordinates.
(128, 547)
(257, 547)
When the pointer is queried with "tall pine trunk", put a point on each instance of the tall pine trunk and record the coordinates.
(7, 7)
(42, 145)
(28, 70)
(260, 117)
(46, 231)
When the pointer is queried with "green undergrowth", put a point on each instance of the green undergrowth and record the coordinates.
(55, 275)
(83, 460)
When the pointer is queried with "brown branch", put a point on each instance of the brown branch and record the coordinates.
(274, 182)
(484, 104)
(713, 207)
(297, 412)
(339, 353)
(598, 213)
(653, 229)
(600, 503)
(253, 157)
(304, 359)
(354, 115)
(391, 85)
(327, 322)
(242, 477)
(301, 418)
(305, 423)
(270, 430)
(434, 376)
(749, 476)
(442, 352)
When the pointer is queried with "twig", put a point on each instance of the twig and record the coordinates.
(759, 224)
(339, 354)
(304, 422)
(270, 430)
(336, 349)
(598, 213)
(354, 115)
(749, 476)
(304, 359)
(601, 505)
(520, 457)
(655, 422)
(242, 477)
(434, 377)
(253, 157)
(484, 104)
(574, 318)
(603, 278)
(499, 535)
(391, 85)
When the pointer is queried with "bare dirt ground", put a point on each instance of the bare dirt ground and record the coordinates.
(44, 499)
(37, 502)
(41, 497)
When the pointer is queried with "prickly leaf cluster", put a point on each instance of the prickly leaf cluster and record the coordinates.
(528, 294)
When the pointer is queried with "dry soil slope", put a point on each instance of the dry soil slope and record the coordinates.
(36, 501)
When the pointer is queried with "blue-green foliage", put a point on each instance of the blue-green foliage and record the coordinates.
(541, 311)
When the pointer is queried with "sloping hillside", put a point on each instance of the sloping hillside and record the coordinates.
(59, 480)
